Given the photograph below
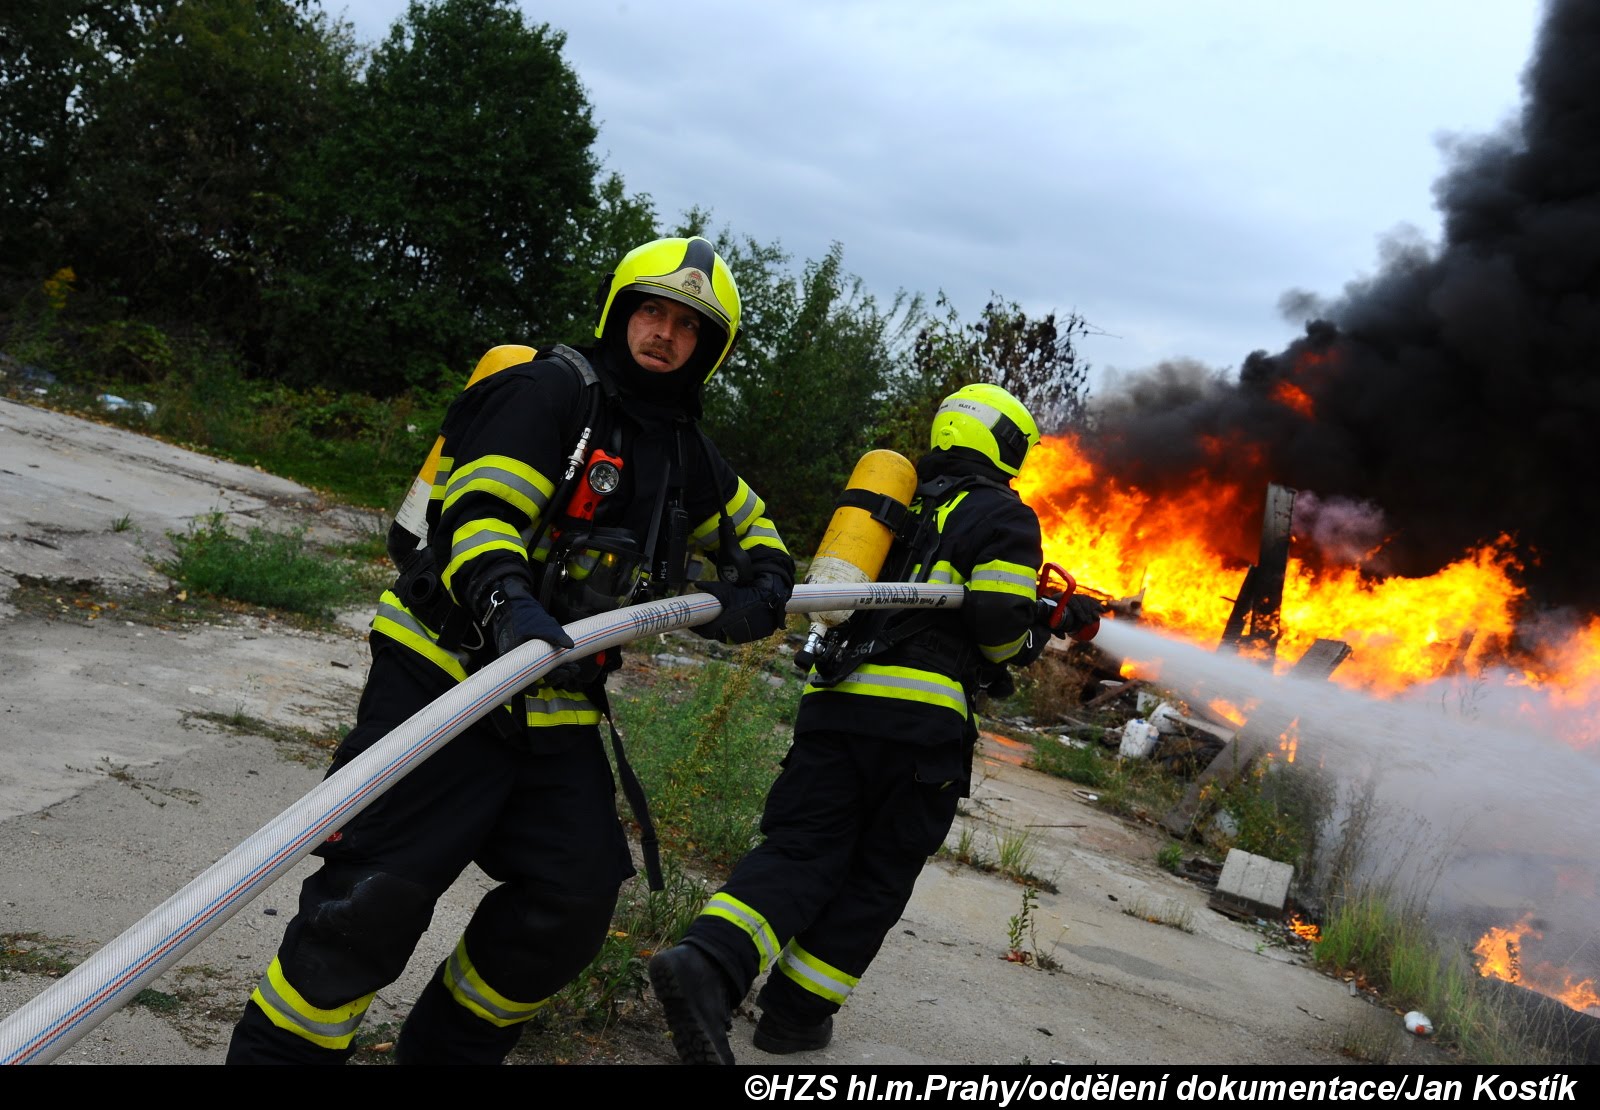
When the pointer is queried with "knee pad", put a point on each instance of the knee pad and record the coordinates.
(529, 942)
(355, 931)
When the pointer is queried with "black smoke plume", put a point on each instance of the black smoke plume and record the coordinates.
(1458, 391)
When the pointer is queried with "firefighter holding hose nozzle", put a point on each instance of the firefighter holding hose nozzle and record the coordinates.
(883, 746)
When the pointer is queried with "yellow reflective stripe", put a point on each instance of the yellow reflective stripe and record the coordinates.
(288, 1010)
(477, 537)
(548, 707)
(441, 478)
(1002, 652)
(477, 997)
(901, 683)
(744, 506)
(748, 513)
(395, 621)
(814, 975)
(516, 483)
(943, 574)
(763, 533)
(1001, 577)
(945, 509)
(749, 922)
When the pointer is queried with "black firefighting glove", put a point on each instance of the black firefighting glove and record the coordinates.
(1082, 619)
(511, 616)
(996, 681)
(751, 612)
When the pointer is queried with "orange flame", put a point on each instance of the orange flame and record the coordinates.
(1120, 541)
(1500, 956)
(1303, 929)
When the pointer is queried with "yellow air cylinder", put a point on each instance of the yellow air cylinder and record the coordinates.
(855, 544)
(410, 526)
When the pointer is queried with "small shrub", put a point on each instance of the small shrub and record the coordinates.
(275, 569)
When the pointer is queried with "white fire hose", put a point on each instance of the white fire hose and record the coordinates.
(48, 1024)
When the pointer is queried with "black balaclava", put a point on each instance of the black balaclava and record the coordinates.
(679, 389)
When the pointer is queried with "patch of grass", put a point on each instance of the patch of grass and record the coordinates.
(1276, 810)
(302, 745)
(707, 744)
(123, 523)
(33, 954)
(1014, 852)
(1169, 857)
(1388, 947)
(276, 569)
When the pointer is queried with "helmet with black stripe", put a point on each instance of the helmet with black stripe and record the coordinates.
(987, 419)
(689, 271)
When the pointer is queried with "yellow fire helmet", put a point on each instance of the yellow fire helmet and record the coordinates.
(685, 270)
(988, 420)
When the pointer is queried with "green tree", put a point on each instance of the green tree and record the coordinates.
(457, 209)
(182, 163)
(802, 399)
(1036, 360)
(54, 56)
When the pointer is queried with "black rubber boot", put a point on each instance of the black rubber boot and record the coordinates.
(780, 1038)
(694, 995)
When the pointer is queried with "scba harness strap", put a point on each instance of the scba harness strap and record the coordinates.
(419, 587)
(870, 633)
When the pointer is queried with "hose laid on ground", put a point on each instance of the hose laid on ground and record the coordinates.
(48, 1024)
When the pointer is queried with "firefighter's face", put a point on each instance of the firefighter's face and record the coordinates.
(662, 334)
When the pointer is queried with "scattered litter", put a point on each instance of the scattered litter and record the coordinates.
(1139, 738)
(1087, 795)
(114, 404)
(1417, 1022)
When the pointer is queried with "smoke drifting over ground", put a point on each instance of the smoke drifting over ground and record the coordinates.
(1457, 392)
(1448, 827)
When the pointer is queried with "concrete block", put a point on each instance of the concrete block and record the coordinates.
(1252, 886)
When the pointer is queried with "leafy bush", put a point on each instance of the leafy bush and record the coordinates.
(276, 569)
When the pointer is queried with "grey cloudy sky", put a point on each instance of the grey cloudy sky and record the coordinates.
(1168, 169)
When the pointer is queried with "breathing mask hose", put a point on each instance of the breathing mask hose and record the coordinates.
(51, 1022)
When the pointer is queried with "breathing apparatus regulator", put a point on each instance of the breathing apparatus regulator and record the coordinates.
(858, 537)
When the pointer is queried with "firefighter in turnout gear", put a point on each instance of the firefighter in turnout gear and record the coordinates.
(568, 485)
(882, 753)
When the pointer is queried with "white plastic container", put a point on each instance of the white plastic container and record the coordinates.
(1139, 738)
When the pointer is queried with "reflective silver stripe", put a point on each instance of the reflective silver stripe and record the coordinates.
(1003, 652)
(483, 538)
(750, 922)
(903, 683)
(1004, 581)
(762, 532)
(525, 493)
(285, 1011)
(458, 977)
(816, 976)
(548, 708)
(744, 506)
(396, 622)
